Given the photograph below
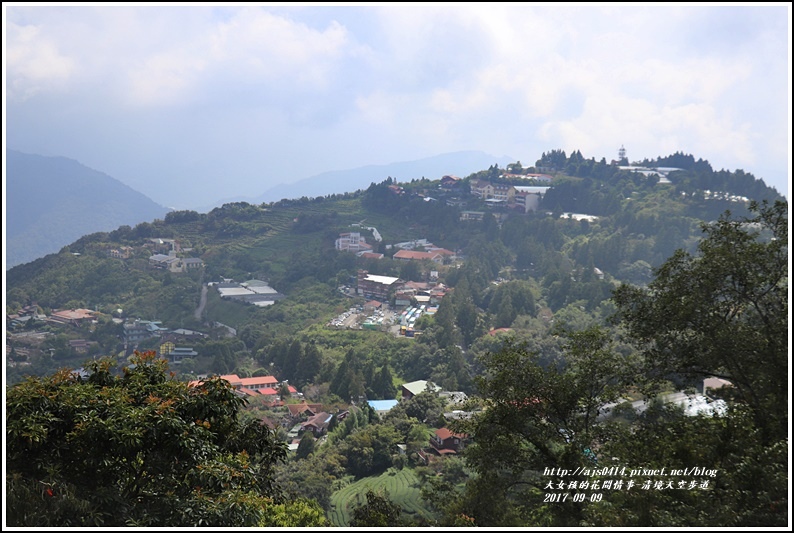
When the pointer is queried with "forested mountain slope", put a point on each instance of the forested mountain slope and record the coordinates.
(52, 201)
(621, 284)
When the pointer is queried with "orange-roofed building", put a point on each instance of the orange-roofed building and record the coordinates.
(71, 316)
(411, 255)
(261, 382)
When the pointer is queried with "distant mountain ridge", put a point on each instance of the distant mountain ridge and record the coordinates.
(53, 201)
(459, 164)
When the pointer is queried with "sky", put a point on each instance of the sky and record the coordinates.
(189, 104)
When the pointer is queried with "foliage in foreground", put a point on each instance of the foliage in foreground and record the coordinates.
(722, 313)
(140, 449)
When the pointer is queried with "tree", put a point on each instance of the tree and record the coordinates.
(139, 449)
(410, 271)
(379, 511)
(384, 388)
(723, 313)
(539, 414)
(506, 314)
(369, 450)
(427, 406)
(293, 360)
(747, 482)
(311, 364)
(305, 446)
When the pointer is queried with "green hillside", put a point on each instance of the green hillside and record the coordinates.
(615, 285)
(637, 223)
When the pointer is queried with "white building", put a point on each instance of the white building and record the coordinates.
(529, 197)
(352, 242)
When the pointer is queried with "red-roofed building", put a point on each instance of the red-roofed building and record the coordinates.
(318, 424)
(370, 255)
(71, 316)
(445, 442)
(442, 251)
(410, 255)
(258, 386)
(372, 305)
(301, 411)
(269, 423)
(450, 182)
(540, 177)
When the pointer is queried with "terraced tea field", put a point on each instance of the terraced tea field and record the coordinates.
(402, 486)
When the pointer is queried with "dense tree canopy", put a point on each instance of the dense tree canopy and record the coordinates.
(723, 313)
(378, 511)
(140, 449)
(539, 414)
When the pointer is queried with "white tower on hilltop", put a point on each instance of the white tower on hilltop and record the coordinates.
(621, 153)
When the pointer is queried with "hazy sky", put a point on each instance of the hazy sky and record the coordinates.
(192, 104)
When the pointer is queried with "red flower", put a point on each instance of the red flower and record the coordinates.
(49, 492)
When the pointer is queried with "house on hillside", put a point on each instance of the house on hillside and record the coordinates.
(544, 178)
(258, 387)
(138, 330)
(162, 261)
(454, 398)
(411, 255)
(445, 442)
(370, 255)
(352, 242)
(504, 193)
(255, 384)
(318, 424)
(450, 182)
(456, 202)
(124, 252)
(299, 412)
(409, 390)
(472, 215)
(73, 317)
(81, 345)
(481, 189)
(180, 352)
(528, 199)
(372, 305)
(190, 264)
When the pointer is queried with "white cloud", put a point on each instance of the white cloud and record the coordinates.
(271, 47)
(361, 85)
(34, 63)
(164, 79)
(251, 48)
